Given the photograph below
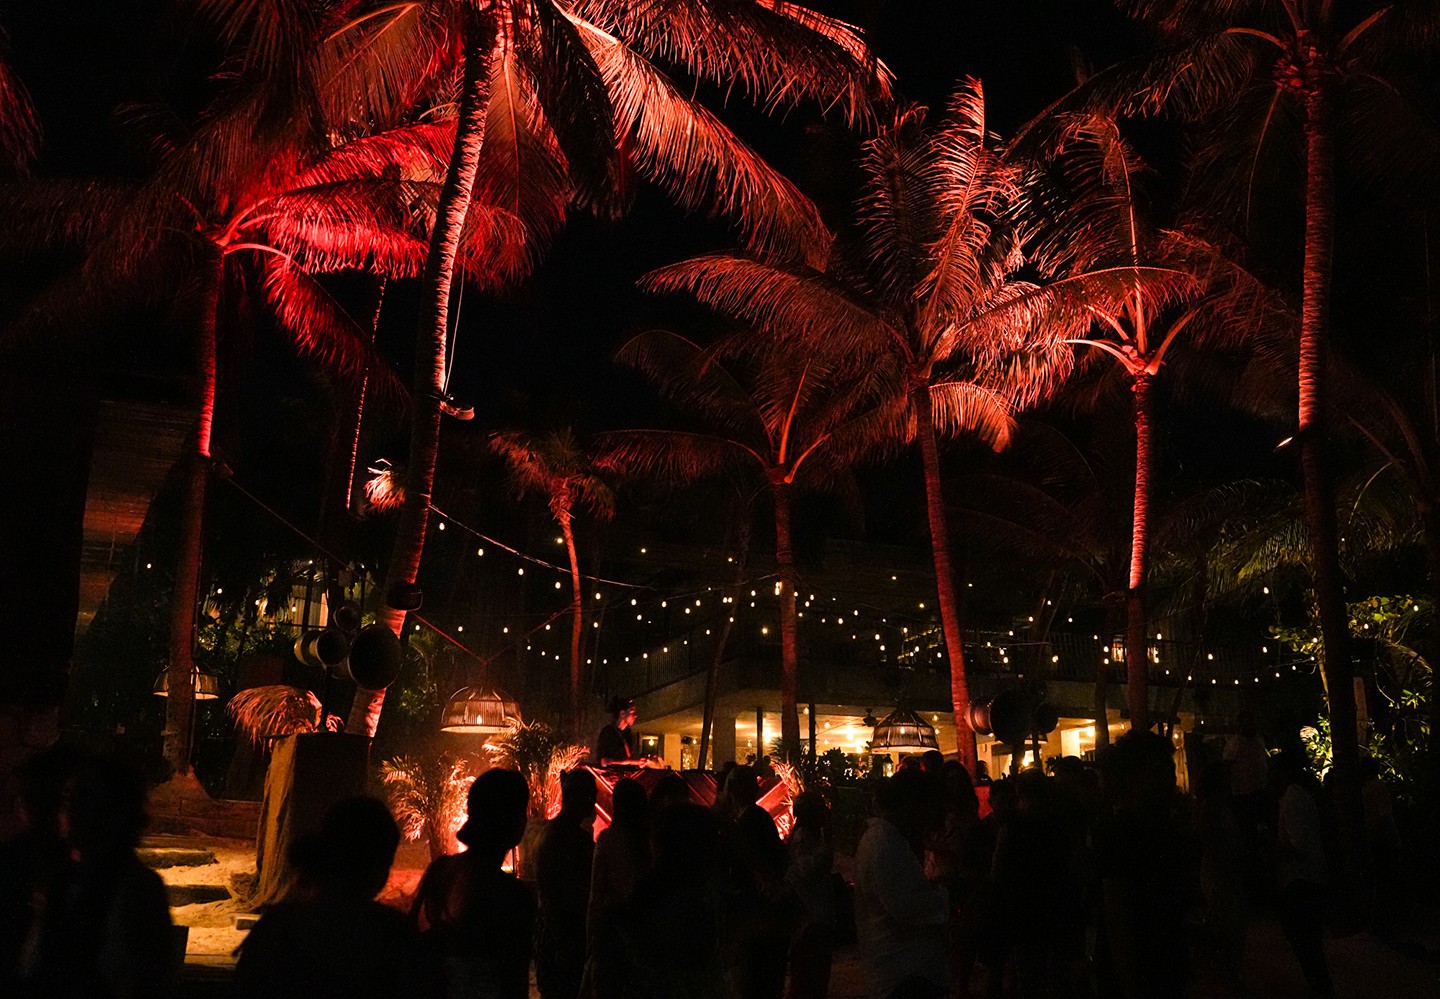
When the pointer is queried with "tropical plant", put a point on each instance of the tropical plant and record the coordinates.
(555, 465)
(271, 711)
(1087, 214)
(427, 794)
(541, 755)
(930, 293)
(557, 103)
(1249, 68)
(769, 412)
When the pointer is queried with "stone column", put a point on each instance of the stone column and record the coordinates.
(722, 740)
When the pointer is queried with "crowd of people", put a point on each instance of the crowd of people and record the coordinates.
(1090, 880)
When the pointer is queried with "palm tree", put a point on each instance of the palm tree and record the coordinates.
(1248, 66)
(557, 101)
(1087, 215)
(793, 420)
(930, 289)
(555, 465)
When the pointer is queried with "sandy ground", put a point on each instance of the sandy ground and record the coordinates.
(214, 934)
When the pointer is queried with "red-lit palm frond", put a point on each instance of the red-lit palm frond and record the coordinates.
(19, 128)
(700, 162)
(380, 61)
(522, 169)
(555, 465)
(791, 303)
(267, 712)
(676, 457)
(974, 192)
(577, 109)
(692, 376)
(969, 409)
(776, 410)
(385, 489)
(414, 152)
(779, 53)
(1080, 208)
(320, 328)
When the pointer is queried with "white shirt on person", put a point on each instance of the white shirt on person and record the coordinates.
(900, 918)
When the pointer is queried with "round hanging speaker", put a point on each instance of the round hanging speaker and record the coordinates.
(347, 617)
(324, 649)
(1010, 717)
(979, 715)
(375, 657)
(1046, 717)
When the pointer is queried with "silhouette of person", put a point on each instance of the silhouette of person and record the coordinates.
(1222, 871)
(1141, 865)
(330, 937)
(106, 929)
(812, 860)
(900, 918)
(616, 742)
(477, 920)
(1303, 875)
(755, 862)
(35, 859)
(563, 861)
(622, 856)
(672, 927)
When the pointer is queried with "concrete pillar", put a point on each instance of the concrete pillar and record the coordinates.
(722, 740)
(670, 750)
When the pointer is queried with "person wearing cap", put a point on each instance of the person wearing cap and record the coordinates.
(616, 742)
(476, 919)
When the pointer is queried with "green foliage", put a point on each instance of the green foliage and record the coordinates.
(1400, 720)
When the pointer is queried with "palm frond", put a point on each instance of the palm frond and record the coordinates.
(700, 162)
(320, 327)
(19, 126)
(692, 377)
(576, 106)
(521, 168)
(793, 304)
(675, 456)
(267, 712)
(779, 53)
(962, 408)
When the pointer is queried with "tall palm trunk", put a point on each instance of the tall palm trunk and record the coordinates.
(180, 705)
(1137, 695)
(722, 641)
(951, 621)
(1319, 493)
(577, 611)
(429, 383)
(789, 624)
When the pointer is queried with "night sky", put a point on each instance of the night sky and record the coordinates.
(534, 356)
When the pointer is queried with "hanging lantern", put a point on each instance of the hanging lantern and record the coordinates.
(903, 731)
(479, 711)
(207, 685)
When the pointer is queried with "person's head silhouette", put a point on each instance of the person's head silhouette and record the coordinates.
(104, 812)
(628, 803)
(577, 794)
(495, 818)
(351, 854)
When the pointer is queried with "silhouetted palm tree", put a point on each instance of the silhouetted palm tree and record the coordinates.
(556, 466)
(932, 291)
(795, 419)
(557, 102)
(1251, 67)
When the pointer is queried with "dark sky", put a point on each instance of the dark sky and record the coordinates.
(537, 354)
